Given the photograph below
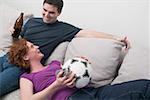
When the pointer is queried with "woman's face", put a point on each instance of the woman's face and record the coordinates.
(33, 52)
(49, 13)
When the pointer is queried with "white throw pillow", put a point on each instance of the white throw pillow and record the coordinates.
(8, 17)
(103, 54)
(58, 53)
(135, 65)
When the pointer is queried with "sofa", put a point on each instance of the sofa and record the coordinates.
(110, 63)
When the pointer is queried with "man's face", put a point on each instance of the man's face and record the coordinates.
(49, 13)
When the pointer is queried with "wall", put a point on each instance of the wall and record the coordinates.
(149, 36)
(125, 17)
(121, 17)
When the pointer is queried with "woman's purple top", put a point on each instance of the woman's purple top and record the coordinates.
(46, 77)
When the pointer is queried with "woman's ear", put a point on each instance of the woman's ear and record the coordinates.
(26, 57)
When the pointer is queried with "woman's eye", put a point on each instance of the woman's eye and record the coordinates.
(32, 46)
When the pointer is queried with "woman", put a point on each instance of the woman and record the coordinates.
(39, 82)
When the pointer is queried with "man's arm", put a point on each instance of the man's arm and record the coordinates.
(17, 28)
(95, 34)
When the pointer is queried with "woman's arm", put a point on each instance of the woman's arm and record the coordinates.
(26, 87)
(26, 90)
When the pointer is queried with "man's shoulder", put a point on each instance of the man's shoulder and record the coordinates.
(66, 24)
(62, 22)
(34, 20)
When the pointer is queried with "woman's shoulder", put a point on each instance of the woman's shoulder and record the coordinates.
(54, 64)
(28, 76)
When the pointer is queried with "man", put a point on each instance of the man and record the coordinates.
(47, 33)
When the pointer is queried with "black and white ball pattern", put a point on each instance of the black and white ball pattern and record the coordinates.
(81, 68)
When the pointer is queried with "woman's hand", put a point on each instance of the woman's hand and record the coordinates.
(67, 80)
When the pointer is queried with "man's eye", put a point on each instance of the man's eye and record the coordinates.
(51, 12)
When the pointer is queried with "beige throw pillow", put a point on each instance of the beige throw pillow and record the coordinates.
(104, 55)
(58, 53)
(9, 15)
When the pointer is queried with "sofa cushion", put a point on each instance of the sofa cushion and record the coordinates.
(58, 53)
(15, 95)
(103, 54)
(135, 65)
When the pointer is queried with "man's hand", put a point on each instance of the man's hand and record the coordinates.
(11, 29)
(126, 42)
(27, 16)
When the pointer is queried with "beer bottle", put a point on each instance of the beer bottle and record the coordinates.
(18, 27)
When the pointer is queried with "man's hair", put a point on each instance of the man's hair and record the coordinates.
(56, 3)
(17, 52)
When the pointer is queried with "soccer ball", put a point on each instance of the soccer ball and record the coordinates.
(81, 68)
